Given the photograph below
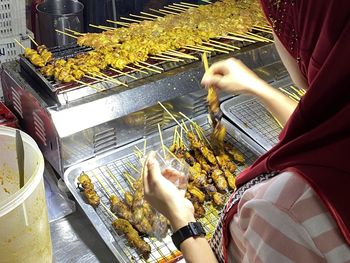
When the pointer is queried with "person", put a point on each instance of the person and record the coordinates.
(291, 205)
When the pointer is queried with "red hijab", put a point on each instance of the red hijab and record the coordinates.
(315, 143)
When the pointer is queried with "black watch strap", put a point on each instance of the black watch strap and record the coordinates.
(193, 229)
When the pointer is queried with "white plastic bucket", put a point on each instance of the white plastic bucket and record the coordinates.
(24, 227)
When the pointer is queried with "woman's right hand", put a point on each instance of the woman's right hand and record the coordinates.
(231, 76)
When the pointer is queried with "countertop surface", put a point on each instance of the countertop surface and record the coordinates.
(74, 239)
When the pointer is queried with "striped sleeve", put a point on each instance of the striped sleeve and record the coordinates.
(283, 220)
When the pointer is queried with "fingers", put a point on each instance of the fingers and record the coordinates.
(151, 172)
(216, 70)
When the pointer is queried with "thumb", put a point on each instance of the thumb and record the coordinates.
(211, 80)
(153, 167)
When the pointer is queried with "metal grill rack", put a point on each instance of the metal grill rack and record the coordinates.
(254, 119)
(116, 163)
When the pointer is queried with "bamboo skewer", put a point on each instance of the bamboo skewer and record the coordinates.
(237, 38)
(219, 46)
(102, 184)
(135, 69)
(74, 32)
(246, 36)
(32, 39)
(128, 178)
(168, 12)
(109, 211)
(295, 97)
(201, 47)
(164, 58)
(172, 116)
(132, 167)
(262, 30)
(261, 37)
(148, 14)
(148, 68)
(19, 43)
(175, 8)
(158, 11)
(150, 65)
(142, 17)
(206, 1)
(189, 4)
(225, 45)
(172, 154)
(299, 91)
(118, 23)
(64, 33)
(179, 54)
(130, 19)
(144, 147)
(123, 73)
(263, 27)
(115, 179)
(197, 49)
(161, 140)
(114, 80)
(276, 120)
(183, 6)
(87, 84)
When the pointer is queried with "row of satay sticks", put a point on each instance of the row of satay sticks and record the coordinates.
(124, 222)
(42, 56)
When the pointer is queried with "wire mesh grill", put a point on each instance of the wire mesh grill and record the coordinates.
(253, 115)
(110, 179)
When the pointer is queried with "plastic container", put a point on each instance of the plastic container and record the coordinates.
(61, 15)
(7, 118)
(9, 49)
(24, 228)
(13, 18)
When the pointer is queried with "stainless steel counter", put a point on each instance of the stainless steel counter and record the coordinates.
(74, 240)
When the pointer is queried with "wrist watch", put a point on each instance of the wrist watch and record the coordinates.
(193, 229)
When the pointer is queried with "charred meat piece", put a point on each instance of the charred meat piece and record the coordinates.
(231, 180)
(196, 193)
(219, 180)
(85, 184)
(119, 208)
(219, 199)
(122, 226)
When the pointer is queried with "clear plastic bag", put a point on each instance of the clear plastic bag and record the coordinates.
(160, 224)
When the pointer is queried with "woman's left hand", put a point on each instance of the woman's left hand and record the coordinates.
(164, 196)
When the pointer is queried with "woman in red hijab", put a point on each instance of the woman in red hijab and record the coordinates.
(291, 205)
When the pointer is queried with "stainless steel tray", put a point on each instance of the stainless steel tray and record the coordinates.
(115, 163)
(251, 117)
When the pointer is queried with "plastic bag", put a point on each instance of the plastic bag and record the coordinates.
(160, 224)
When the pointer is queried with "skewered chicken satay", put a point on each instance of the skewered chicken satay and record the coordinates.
(122, 226)
(225, 162)
(34, 57)
(219, 199)
(45, 53)
(237, 156)
(119, 208)
(196, 193)
(231, 180)
(199, 210)
(129, 198)
(85, 185)
(219, 180)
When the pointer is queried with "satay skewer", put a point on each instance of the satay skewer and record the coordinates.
(87, 84)
(102, 184)
(115, 179)
(176, 53)
(74, 32)
(67, 34)
(224, 44)
(161, 140)
(219, 46)
(132, 167)
(182, 5)
(150, 65)
(260, 37)
(32, 39)
(299, 91)
(148, 68)
(142, 17)
(122, 73)
(174, 8)
(164, 58)
(19, 43)
(158, 11)
(167, 12)
(130, 19)
(172, 116)
(135, 69)
(197, 49)
(262, 29)
(189, 4)
(118, 23)
(237, 38)
(148, 14)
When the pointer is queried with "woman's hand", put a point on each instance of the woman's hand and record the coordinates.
(164, 196)
(232, 76)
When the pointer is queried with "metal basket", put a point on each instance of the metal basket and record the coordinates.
(12, 18)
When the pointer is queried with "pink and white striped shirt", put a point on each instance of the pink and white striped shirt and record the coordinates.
(283, 220)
